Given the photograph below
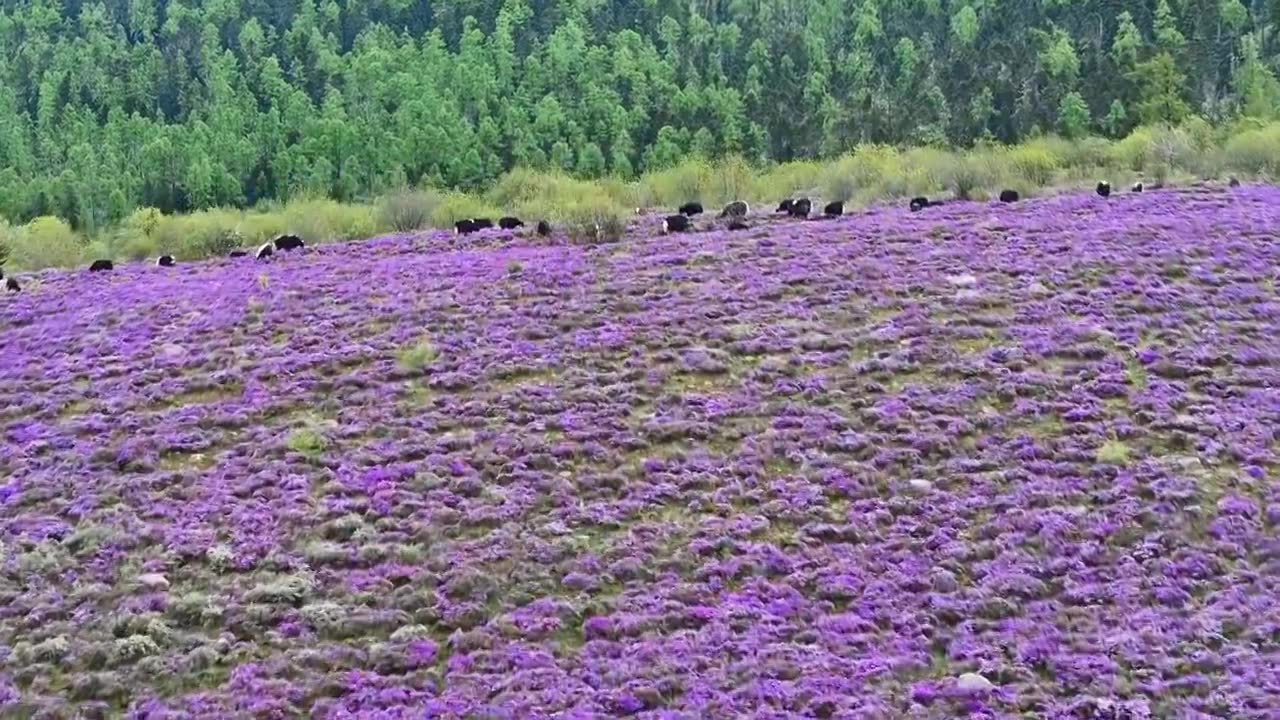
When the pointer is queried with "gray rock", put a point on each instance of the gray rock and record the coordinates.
(153, 581)
(973, 683)
(919, 487)
(943, 581)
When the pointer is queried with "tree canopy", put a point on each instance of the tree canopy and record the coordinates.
(106, 105)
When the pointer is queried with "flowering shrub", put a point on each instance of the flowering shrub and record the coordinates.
(981, 460)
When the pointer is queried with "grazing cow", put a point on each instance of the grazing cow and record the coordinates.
(833, 209)
(238, 254)
(289, 242)
(919, 203)
(465, 227)
(675, 223)
(1008, 196)
(266, 251)
(101, 265)
(164, 261)
(510, 223)
(544, 228)
(1104, 189)
(1137, 187)
(1233, 182)
(800, 208)
(785, 206)
(737, 223)
(482, 223)
(690, 209)
(737, 208)
(11, 284)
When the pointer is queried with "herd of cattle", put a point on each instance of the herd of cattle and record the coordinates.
(735, 213)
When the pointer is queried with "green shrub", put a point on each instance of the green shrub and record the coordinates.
(406, 210)
(43, 243)
(522, 185)
(135, 246)
(204, 234)
(974, 174)
(143, 221)
(457, 206)
(677, 185)
(595, 222)
(265, 224)
(929, 169)
(7, 236)
(731, 178)
(837, 181)
(1087, 153)
(320, 220)
(97, 249)
(1134, 151)
(1173, 148)
(1036, 163)
(1254, 152)
(789, 179)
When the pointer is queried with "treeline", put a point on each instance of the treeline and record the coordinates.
(178, 105)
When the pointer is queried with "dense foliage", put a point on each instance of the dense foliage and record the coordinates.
(981, 461)
(106, 106)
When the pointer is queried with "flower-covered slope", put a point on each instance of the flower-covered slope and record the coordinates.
(1013, 460)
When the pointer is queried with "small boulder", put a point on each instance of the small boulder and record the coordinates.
(973, 683)
(153, 581)
(919, 487)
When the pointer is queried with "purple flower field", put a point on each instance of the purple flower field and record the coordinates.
(983, 460)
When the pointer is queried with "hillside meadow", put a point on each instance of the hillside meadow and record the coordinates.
(992, 460)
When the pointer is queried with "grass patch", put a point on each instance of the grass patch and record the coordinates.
(309, 442)
(203, 396)
(1135, 374)
(1113, 452)
(416, 358)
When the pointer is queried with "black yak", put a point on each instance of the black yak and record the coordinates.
(164, 261)
(785, 206)
(675, 223)
(238, 254)
(465, 227)
(1008, 196)
(544, 228)
(266, 251)
(482, 223)
(1104, 189)
(919, 203)
(690, 209)
(1233, 182)
(737, 208)
(289, 242)
(1137, 187)
(11, 284)
(800, 208)
(510, 223)
(833, 209)
(101, 265)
